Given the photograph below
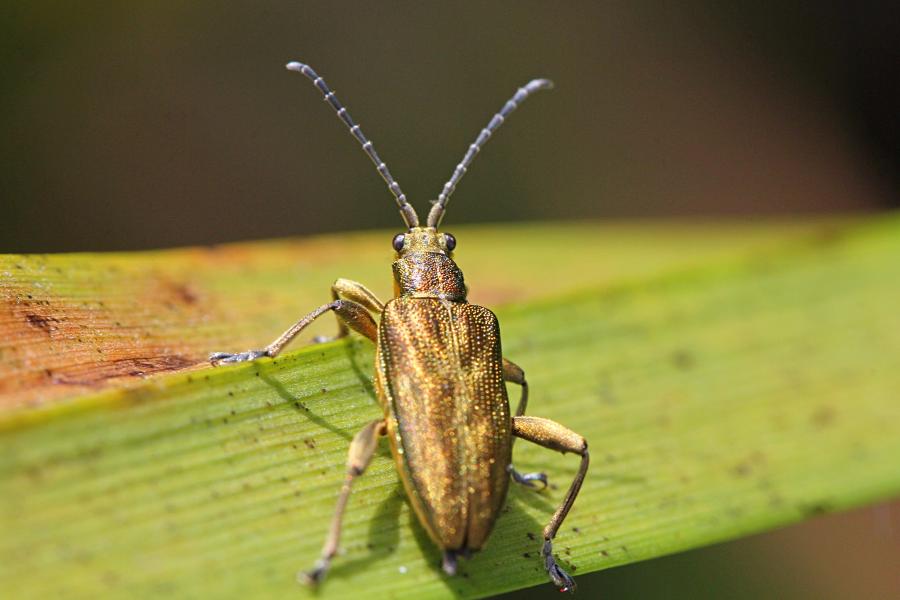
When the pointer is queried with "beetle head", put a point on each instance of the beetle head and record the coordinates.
(425, 267)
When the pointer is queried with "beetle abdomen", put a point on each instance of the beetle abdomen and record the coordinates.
(440, 375)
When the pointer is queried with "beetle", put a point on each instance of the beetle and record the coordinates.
(440, 377)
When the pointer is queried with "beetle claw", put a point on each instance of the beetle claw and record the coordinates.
(560, 578)
(315, 576)
(528, 479)
(217, 358)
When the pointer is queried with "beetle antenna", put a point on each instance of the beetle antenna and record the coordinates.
(406, 210)
(437, 211)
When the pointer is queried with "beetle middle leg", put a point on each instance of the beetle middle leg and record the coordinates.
(362, 449)
(550, 434)
(513, 373)
(351, 313)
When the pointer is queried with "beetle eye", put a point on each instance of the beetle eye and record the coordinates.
(398, 242)
(450, 241)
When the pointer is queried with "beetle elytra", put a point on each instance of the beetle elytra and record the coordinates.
(440, 377)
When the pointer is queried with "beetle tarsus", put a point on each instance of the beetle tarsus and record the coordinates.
(561, 579)
(449, 562)
(528, 479)
(316, 575)
(217, 358)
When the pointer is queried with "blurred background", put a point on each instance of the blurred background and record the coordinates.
(157, 124)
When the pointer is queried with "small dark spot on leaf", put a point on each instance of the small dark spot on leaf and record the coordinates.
(576, 530)
(310, 443)
(41, 322)
(823, 416)
(604, 553)
(530, 536)
(816, 508)
(682, 359)
(526, 554)
(742, 469)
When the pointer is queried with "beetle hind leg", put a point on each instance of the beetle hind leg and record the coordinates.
(550, 434)
(362, 449)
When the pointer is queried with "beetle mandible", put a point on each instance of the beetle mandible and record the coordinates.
(440, 377)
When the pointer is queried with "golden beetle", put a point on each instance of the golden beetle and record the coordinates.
(439, 375)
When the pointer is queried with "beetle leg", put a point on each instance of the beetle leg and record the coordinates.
(355, 292)
(362, 448)
(513, 373)
(353, 314)
(550, 434)
(528, 479)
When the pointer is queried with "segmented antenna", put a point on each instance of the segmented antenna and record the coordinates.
(437, 211)
(406, 210)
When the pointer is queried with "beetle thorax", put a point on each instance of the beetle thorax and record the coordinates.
(424, 267)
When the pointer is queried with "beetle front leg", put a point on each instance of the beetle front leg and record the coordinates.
(550, 434)
(354, 291)
(362, 449)
(513, 373)
(353, 314)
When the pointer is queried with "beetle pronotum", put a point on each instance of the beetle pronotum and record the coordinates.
(439, 375)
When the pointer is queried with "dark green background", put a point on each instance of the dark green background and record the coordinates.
(148, 124)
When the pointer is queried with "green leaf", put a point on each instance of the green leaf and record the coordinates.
(729, 379)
